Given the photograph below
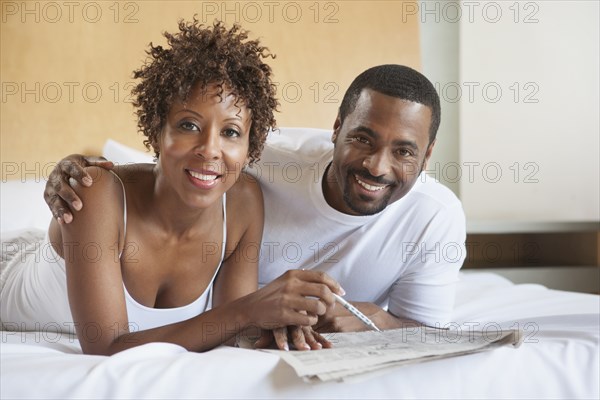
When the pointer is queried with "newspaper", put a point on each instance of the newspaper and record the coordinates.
(357, 353)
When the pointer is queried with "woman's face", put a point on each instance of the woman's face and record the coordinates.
(204, 145)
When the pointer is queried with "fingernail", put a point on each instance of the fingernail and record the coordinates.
(67, 218)
(77, 205)
(319, 345)
(87, 181)
(305, 346)
(342, 291)
(286, 347)
(60, 221)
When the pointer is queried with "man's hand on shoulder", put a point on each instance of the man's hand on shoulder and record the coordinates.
(58, 194)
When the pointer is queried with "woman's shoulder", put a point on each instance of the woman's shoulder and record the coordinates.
(246, 191)
(102, 180)
(244, 198)
(245, 213)
(131, 173)
(111, 184)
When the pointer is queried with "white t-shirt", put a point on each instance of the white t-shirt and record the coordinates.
(405, 258)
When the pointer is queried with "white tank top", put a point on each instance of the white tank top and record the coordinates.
(141, 317)
(33, 292)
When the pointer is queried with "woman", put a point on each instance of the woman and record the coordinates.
(155, 245)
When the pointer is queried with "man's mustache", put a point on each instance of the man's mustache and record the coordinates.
(362, 173)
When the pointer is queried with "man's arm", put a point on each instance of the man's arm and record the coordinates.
(60, 197)
(424, 293)
(340, 320)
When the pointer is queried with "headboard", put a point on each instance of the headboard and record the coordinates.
(66, 67)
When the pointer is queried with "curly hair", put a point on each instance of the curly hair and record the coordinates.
(205, 56)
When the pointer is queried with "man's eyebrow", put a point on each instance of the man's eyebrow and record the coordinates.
(409, 143)
(373, 134)
(368, 131)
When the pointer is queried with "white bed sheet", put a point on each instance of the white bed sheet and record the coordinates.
(558, 359)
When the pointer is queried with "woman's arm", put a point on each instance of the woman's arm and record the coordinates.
(91, 246)
(238, 275)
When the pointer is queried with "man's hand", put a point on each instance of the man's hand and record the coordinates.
(59, 195)
(340, 320)
(302, 337)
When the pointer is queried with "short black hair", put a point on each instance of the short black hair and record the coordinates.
(397, 81)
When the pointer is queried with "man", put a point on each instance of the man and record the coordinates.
(361, 208)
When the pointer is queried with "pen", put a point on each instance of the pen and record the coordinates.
(354, 311)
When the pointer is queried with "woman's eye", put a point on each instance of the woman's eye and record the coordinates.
(188, 126)
(231, 133)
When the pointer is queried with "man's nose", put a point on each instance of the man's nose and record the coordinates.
(378, 163)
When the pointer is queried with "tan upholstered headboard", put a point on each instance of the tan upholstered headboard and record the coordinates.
(66, 66)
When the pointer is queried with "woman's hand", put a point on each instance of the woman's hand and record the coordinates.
(59, 195)
(295, 298)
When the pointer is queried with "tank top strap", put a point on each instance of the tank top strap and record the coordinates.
(124, 208)
(224, 227)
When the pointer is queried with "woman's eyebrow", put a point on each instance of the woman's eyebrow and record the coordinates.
(183, 110)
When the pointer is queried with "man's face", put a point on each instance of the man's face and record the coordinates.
(380, 150)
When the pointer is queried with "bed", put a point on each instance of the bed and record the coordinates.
(559, 356)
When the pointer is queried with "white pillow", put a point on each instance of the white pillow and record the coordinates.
(23, 206)
(121, 154)
(22, 202)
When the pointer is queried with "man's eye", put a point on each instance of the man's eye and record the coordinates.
(404, 153)
(188, 126)
(361, 140)
(231, 133)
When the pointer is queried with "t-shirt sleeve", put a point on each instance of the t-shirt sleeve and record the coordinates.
(425, 291)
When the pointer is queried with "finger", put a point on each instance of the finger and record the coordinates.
(302, 310)
(73, 167)
(281, 338)
(297, 336)
(320, 339)
(309, 338)
(320, 277)
(69, 196)
(316, 291)
(99, 162)
(59, 209)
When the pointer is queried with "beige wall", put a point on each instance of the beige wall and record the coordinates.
(66, 66)
(529, 143)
